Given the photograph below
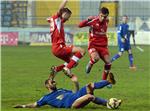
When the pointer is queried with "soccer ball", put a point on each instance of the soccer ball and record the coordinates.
(113, 103)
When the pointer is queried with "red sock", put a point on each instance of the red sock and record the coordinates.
(74, 60)
(59, 68)
(104, 75)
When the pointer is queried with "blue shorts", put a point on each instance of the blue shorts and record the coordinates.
(68, 103)
(123, 46)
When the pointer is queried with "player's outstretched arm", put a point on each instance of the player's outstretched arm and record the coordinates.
(83, 23)
(86, 22)
(62, 5)
(76, 83)
(31, 105)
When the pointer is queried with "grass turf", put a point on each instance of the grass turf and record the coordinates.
(24, 70)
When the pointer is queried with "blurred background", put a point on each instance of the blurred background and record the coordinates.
(24, 22)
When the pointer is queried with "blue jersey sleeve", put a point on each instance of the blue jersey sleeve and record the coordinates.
(42, 101)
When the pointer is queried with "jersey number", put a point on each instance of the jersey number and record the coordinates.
(60, 97)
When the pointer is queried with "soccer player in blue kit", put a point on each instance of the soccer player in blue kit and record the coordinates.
(124, 42)
(62, 98)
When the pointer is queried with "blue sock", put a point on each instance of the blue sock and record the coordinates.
(115, 57)
(101, 84)
(130, 59)
(100, 101)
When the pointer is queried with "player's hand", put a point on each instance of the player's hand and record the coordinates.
(123, 40)
(19, 106)
(90, 18)
(74, 78)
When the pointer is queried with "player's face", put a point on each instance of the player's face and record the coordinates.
(125, 19)
(102, 17)
(66, 16)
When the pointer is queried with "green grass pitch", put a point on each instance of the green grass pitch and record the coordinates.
(24, 70)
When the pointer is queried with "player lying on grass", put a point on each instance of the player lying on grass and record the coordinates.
(62, 98)
(69, 54)
(98, 41)
(124, 42)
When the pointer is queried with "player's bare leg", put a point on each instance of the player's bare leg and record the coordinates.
(94, 57)
(83, 101)
(86, 99)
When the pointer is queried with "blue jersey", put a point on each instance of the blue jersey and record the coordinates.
(123, 32)
(61, 98)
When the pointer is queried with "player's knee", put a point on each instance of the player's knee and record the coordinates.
(78, 49)
(83, 51)
(120, 53)
(90, 97)
(107, 61)
(129, 51)
(96, 58)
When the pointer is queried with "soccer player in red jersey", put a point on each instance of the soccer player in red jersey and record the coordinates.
(70, 54)
(98, 42)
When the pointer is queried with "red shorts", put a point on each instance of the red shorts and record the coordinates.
(102, 50)
(63, 52)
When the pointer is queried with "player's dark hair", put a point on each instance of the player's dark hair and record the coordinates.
(104, 11)
(65, 10)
